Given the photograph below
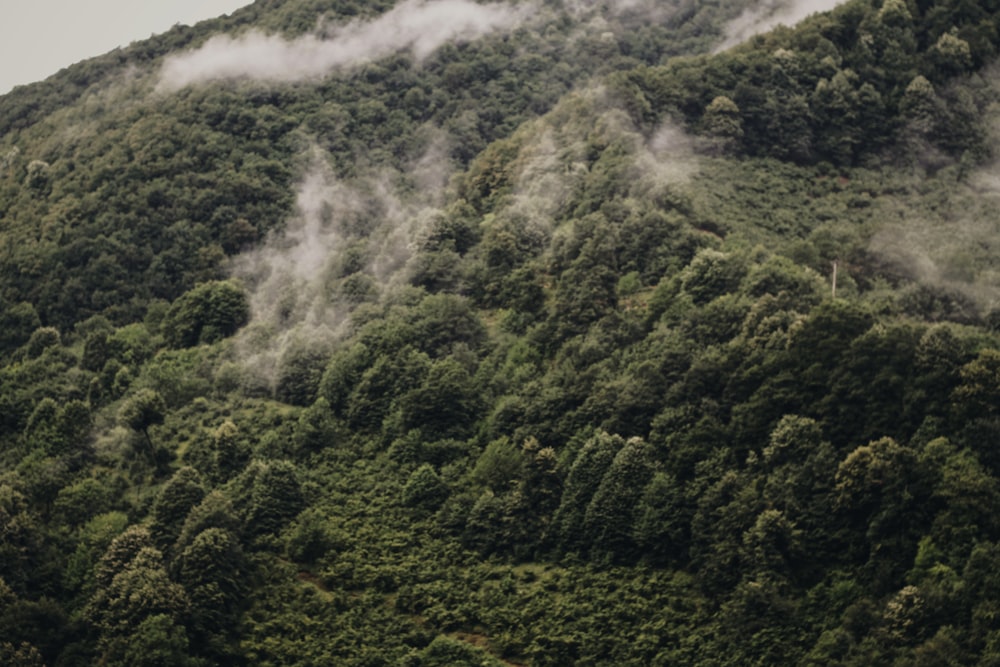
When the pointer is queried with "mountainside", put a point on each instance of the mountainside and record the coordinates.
(543, 333)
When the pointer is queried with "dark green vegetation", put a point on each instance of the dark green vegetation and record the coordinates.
(605, 408)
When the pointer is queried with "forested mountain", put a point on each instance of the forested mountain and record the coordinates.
(542, 333)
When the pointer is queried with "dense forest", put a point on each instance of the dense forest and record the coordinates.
(548, 333)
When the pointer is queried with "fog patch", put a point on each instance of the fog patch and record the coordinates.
(768, 15)
(652, 10)
(420, 26)
(586, 139)
(950, 251)
(348, 243)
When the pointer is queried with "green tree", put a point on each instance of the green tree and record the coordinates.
(662, 520)
(879, 487)
(216, 510)
(40, 432)
(300, 371)
(500, 466)
(20, 655)
(19, 537)
(230, 450)
(921, 107)
(963, 495)
(41, 340)
(582, 482)
(726, 510)
(711, 274)
(343, 371)
(140, 591)
(610, 515)
(446, 403)
(17, 323)
(443, 321)
(120, 552)
(92, 542)
(318, 428)
(270, 496)
(951, 54)
(978, 394)
(425, 489)
(73, 424)
(836, 107)
(77, 502)
(447, 652)
(391, 376)
(144, 409)
(213, 570)
(206, 313)
(771, 545)
(788, 126)
(157, 641)
(723, 123)
(172, 505)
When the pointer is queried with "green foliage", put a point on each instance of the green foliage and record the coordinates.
(179, 376)
(42, 339)
(20, 531)
(600, 406)
(388, 378)
(269, 495)
(120, 553)
(22, 655)
(424, 489)
(300, 371)
(499, 466)
(18, 322)
(444, 651)
(832, 89)
(176, 499)
(94, 539)
(158, 641)
(445, 405)
(140, 606)
(205, 314)
(229, 450)
(582, 483)
(661, 519)
(318, 428)
(342, 372)
(214, 511)
(607, 523)
(212, 569)
(87, 497)
(711, 274)
(722, 122)
(144, 409)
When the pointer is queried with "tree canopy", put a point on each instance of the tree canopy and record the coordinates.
(575, 339)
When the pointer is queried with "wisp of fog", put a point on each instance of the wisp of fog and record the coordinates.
(367, 227)
(769, 14)
(421, 26)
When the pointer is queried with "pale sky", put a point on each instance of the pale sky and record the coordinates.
(40, 37)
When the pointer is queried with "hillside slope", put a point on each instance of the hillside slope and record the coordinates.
(519, 335)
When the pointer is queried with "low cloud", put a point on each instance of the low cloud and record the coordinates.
(770, 14)
(554, 165)
(368, 228)
(649, 8)
(949, 246)
(369, 231)
(420, 26)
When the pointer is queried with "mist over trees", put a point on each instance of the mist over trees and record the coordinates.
(510, 342)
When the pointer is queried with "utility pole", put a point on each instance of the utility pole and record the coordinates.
(833, 290)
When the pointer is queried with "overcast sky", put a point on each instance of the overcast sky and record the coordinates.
(40, 37)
